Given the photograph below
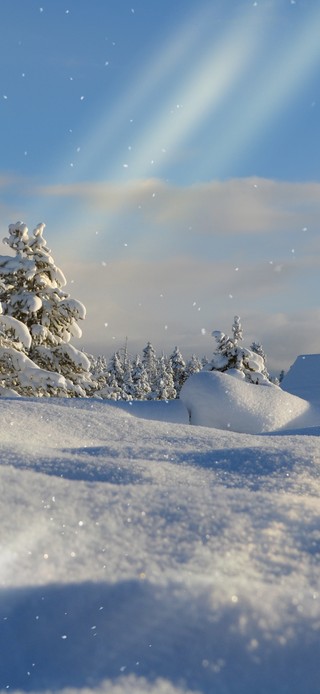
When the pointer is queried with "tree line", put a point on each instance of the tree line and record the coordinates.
(38, 320)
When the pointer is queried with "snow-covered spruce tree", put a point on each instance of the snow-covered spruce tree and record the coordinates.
(150, 363)
(193, 366)
(99, 371)
(140, 380)
(165, 385)
(244, 362)
(116, 372)
(31, 292)
(178, 368)
(128, 384)
(257, 348)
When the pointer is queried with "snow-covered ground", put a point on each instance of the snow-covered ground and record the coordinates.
(147, 556)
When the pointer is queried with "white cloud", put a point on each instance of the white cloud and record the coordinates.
(238, 206)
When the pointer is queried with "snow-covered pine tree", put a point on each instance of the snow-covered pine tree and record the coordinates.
(140, 380)
(178, 368)
(229, 355)
(116, 371)
(257, 348)
(31, 292)
(165, 387)
(193, 366)
(150, 363)
(128, 384)
(98, 370)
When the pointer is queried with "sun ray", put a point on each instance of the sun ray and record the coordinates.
(209, 82)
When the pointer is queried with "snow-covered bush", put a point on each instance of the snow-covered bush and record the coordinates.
(31, 293)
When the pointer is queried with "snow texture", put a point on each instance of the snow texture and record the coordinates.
(226, 401)
(151, 557)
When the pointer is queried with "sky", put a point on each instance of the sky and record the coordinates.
(172, 149)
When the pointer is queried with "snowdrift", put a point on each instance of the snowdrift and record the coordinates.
(150, 557)
(303, 378)
(223, 401)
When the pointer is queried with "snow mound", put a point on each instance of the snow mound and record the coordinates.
(303, 378)
(218, 400)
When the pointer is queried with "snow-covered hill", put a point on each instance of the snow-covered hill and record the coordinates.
(153, 556)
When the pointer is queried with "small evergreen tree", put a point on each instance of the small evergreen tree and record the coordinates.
(116, 371)
(179, 369)
(128, 384)
(193, 366)
(230, 355)
(165, 387)
(257, 348)
(150, 363)
(140, 380)
(99, 371)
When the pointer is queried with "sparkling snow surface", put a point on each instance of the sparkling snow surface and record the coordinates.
(143, 556)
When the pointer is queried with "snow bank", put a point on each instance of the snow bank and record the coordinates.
(303, 378)
(218, 400)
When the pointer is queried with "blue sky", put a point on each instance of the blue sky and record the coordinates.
(173, 151)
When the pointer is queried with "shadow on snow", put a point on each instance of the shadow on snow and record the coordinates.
(77, 635)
